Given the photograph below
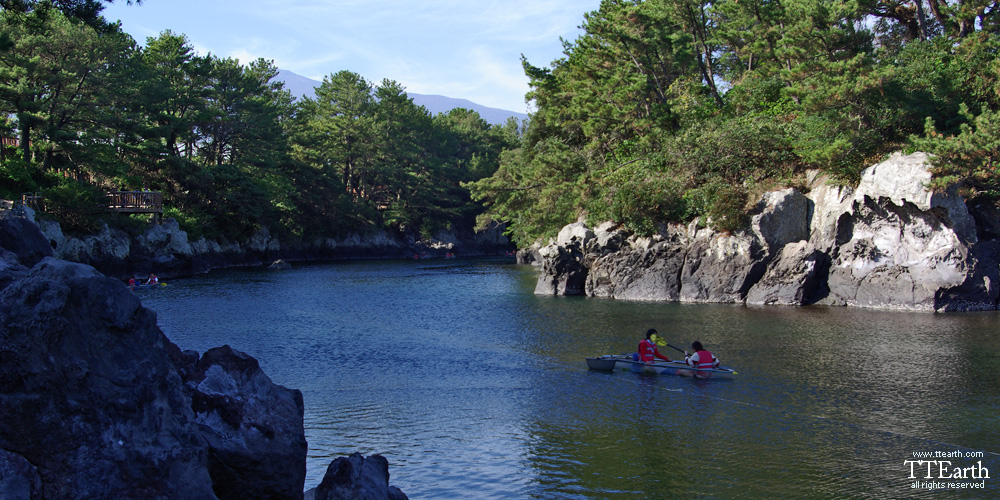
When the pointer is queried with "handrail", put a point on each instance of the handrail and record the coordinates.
(151, 200)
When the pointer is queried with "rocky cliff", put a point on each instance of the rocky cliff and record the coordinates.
(95, 402)
(889, 243)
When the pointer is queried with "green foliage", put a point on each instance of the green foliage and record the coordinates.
(727, 211)
(222, 140)
(642, 198)
(18, 176)
(668, 110)
(388, 163)
(662, 111)
(76, 205)
(971, 157)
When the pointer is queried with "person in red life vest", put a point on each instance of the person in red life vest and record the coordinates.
(701, 358)
(647, 349)
(131, 282)
(153, 279)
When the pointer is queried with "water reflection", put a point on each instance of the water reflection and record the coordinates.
(472, 386)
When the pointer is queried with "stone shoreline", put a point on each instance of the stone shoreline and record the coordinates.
(166, 250)
(890, 243)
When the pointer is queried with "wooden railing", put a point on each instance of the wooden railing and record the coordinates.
(33, 200)
(136, 202)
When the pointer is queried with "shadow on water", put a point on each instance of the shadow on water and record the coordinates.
(472, 386)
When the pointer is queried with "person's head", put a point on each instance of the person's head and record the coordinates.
(697, 346)
(650, 332)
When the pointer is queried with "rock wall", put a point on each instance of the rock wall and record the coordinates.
(890, 243)
(166, 250)
(95, 402)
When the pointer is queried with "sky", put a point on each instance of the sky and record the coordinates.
(467, 49)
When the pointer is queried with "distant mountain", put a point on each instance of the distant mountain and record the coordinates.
(301, 86)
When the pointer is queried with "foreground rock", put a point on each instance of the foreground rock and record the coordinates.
(89, 394)
(356, 477)
(95, 402)
(890, 243)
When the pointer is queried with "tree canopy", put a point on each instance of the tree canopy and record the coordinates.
(667, 110)
(231, 150)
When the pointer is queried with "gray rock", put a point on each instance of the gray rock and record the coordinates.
(102, 405)
(783, 218)
(19, 480)
(890, 243)
(563, 271)
(279, 265)
(649, 273)
(166, 239)
(721, 268)
(263, 243)
(609, 237)
(108, 250)
(22, 237)
(904, 179)
(900, 257)
(253, 427)
(357, 477)
(792, 279)
(89, 394)
(492, 236)
(577, 230)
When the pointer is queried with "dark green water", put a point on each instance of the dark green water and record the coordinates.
(473, 387)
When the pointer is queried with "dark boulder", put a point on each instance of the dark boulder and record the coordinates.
(88, 393)
(20, 236)
(256, 439)
(95, 402)
(357, 478)
(19, 480)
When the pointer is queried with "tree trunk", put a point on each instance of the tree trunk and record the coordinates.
(26, 142)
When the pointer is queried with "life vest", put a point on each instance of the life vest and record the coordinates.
(705, 360)
(647, 350)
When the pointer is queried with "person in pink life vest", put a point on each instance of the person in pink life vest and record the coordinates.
(701, 357)
(647, 349)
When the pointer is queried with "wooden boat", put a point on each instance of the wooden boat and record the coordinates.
(627, 362)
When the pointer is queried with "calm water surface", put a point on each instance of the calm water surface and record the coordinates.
(473, 387)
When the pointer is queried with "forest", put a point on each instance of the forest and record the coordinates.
(87, 110)
(660, 111)
(667, 111)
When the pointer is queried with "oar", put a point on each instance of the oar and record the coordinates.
(734, 372)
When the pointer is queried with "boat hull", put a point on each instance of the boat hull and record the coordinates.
(625, 362)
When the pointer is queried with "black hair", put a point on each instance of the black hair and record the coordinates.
(650, 332)
(697, 346)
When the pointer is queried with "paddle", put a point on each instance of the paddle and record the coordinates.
(660, 341)
(734, 372)
(677, 348)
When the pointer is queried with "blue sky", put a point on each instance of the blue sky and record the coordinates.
(466, 49)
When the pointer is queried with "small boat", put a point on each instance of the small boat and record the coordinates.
(148, 286)
(627, 362)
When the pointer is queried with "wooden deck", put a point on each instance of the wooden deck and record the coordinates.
(136, 202)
